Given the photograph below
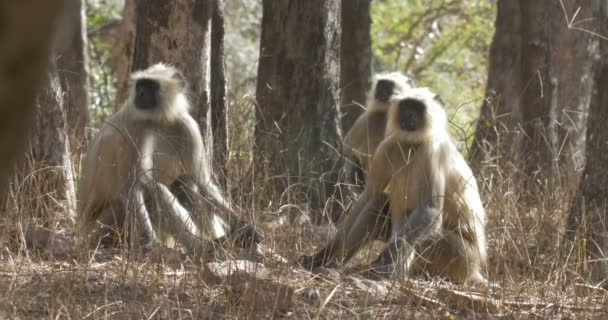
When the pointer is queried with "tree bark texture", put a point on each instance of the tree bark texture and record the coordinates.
(48, 174)
(26, 33)
(73, 70)
(218, 92)
(356, 53)
(503, 88)
(588, 221)
(297, 132)
(122, 52)
(179, 33)
(538, 88)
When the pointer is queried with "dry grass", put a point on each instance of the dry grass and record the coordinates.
(532, 276)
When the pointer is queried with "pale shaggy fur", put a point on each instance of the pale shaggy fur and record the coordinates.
(139, 148)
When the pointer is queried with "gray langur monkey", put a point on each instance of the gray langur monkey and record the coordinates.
(438, 220)
(361, 141)
(148, 162)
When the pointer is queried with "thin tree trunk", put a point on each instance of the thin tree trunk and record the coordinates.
(588, 220)
(297, 132)
(501, 105)
(122, 51)
(356, 53)
(26, 33)
(48, 175)
(72, 66)
(218, 92)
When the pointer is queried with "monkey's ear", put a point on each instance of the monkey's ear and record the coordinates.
(411, 82)
(439, 100)
(384, 90)
(181, 79)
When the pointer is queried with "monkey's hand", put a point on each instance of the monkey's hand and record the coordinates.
(308, 263)
(245, 235)
(378, 273)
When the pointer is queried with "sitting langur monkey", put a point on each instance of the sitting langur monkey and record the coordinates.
(438, 221)
(149, 162)
(367, 132)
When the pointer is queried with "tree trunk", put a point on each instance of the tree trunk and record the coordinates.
(297, 132)
(218, 92)
(503, 87)
(588, 219)
(122, 52)
(26, 33)
(538, 95)
(356, 53)
(178, 32)
(48, 175)
(72, 66)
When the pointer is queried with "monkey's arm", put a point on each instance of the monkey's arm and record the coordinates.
(352, 164)
(365, 219)
(423, 224)
(179, 220)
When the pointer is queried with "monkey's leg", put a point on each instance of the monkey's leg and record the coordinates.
(359, 227)
(186, 191)
(384, 223)
(422, 226)
(108, 225)
(241, 232)
(142, 217)
(179, 221)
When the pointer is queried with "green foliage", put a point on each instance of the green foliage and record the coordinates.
(442, 44)
(100, 14)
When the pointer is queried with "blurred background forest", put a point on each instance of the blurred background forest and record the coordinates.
(275, 85)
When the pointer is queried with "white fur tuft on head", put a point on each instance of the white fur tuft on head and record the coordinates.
(435, 117)
(174, 95)
(402, 84)
(156, 71)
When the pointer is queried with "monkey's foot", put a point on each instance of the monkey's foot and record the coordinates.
(308, 263)
(311, 263)
(148, 247)
(245, 235)
(378, 271)
(375, 274)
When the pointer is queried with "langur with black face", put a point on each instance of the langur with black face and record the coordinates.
(361, 141)
(148, 162)
(438, 221)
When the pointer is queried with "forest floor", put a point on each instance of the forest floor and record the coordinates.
(114, 285)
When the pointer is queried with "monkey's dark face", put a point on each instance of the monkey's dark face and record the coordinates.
(411, 115)
(147, 94)
(384, 90)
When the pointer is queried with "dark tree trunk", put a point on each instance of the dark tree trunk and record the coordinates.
(72, 66)
(356, 53)
(538, 90)
(26, 33)
(503, 87)
(297, 132)
(588, 219)
(48, 175)
(122, 51)
(535, 154)
(178, 32)
(218, 92)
